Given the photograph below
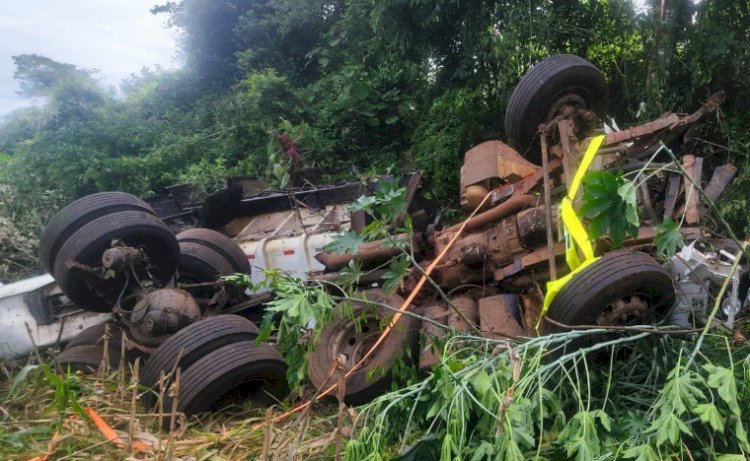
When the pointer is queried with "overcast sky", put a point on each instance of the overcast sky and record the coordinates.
(118, 37)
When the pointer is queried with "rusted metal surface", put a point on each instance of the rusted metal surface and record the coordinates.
(630, 307)
(532, 260)
(477, 254)
(488, 165)
(467, 308)
(693, 167)
(673, 189)
(524, 186)
(644, 197)
(710, 105)
(569, 159)
(367, 253)
(500, 317)
(642, 130)
(507, 208)
(118, 258)
(547, 207)
(720, 179)
(156, 315)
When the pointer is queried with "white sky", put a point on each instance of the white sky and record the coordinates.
(118, 37)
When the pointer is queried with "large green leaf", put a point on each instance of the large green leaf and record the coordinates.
(668, 237)
(348, 242)
(609, 203)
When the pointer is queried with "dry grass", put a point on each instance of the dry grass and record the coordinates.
(33, 423)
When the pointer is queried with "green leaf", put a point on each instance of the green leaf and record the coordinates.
(362, 203)
(668, 427)
(626, 191)
(722, 379)
(360, 90)
(425, 449)
(391, 120)
(609, 203)
(482, 382)
(20, 377)
(709, 414)
(391, 201)
(349, 275)
(485, 451)
(668, 237)
(521, 423)
(580, 436)
(604, 419)
(446, 450)
(396, 273)
(741, 434)
(641, 453)
(348, 242)
(730, 458)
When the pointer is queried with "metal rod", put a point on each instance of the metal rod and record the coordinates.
(548, 206)
(513, 205)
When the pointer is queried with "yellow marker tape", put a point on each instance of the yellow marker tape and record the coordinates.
(554, 286)
(576, 237)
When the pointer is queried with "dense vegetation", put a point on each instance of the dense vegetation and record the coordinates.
(357, 86)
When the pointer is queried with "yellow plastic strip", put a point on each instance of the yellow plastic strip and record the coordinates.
(576, 236)
(554, 286)
(588, 157)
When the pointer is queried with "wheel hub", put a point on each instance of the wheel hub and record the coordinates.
(569, 99)
(355, 340)
(623, 310)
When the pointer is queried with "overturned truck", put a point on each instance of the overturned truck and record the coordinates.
(112, 252)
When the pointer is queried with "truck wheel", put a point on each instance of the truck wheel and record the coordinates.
(622, 287)
(201, 264)
(86, 245)
(220, 243)
(95, 335)
(551, 83)
(81, 212)
(239, 371)
(85, 358)
(191, 343)
(352, 333)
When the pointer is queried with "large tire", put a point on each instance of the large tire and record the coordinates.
(201, 264)
(238, 371)
(622, 277)
(219, 243)
(344, 335)
(545, 85)
(95, 335)
(79, 213)
(85, 358)
(191, 343)
(86, 245)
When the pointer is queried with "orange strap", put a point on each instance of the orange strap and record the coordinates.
(110, 433)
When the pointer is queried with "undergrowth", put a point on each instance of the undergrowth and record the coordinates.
(628, 397)
(42, 417)
(632, 396)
